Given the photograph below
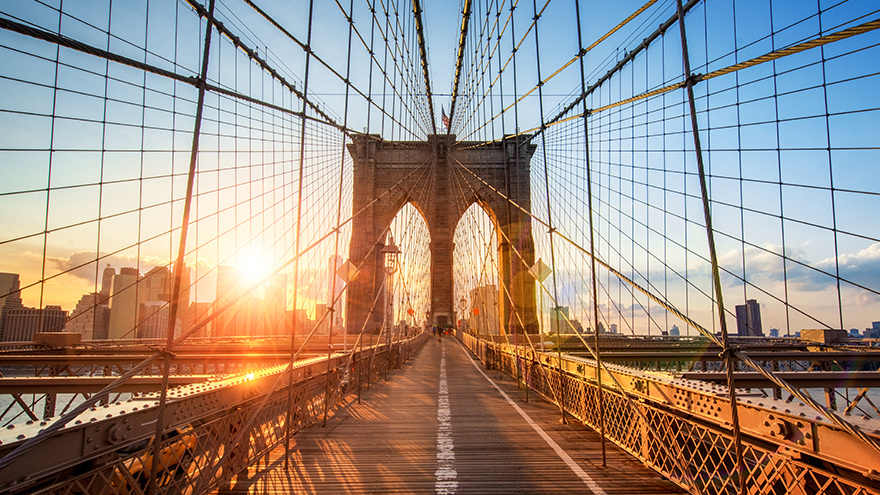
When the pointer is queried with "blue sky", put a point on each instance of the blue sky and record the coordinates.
(122, 157)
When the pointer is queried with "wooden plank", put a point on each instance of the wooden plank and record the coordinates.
(388, 443)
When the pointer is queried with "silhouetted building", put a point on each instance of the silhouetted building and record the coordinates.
(674, 331)
(748, 319)
(90, 318)
(10, 297)
(22, 323)
(276, 304)
(194, 314)
(228, 291)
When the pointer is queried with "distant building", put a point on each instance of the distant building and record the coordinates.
(107, 280)
(22, 323)
(874, 331)
(324, 327)
(124, 304)
(154, 320)
(194, 314)
(156, 285)
(90, 318)
(854, 332)
(228, 291)
(613, 327)
(558, 317)
(674, 331)
(774, 332)
(10, 297)
(484, 300)
(748, 319)
(276, 304)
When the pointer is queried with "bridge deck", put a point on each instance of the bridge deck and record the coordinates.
(400, 440)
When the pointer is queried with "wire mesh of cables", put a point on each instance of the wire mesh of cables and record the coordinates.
(784, 107)
(108, 112)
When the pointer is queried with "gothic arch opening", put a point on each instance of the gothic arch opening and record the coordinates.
(411, 286)
(475, 270)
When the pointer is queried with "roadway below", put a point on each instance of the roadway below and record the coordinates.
(440, 426)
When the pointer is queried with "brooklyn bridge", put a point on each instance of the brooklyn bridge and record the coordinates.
(399, 246)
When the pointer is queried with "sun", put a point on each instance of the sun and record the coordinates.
(253, 269)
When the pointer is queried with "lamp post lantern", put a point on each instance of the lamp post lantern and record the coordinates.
(462, 304)
(390, 253)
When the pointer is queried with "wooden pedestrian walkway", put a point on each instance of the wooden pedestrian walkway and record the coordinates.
(440, 426)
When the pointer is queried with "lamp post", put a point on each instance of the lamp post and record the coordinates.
(390, 253)
(462, 304)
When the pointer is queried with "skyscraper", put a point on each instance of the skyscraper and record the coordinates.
(276, 305)
(10, 297)
(748, 319)
(124, 304)
(23, 323)
(90, 317)
(107, 281)
(156, 285)
(228, 290)
(154, 320)
(485, 300)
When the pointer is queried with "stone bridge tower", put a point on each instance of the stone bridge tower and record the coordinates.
(430, 176)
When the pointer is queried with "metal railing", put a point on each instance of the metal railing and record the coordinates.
(682, 428)
(216, 428)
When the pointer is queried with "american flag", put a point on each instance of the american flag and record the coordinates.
(444, 118)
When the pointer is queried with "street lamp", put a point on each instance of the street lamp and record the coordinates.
(390, 253)
(462, 303)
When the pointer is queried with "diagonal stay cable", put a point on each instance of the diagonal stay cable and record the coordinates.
(61, 422)
(806, 399)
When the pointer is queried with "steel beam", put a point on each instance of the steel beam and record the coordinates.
(90, 384)
(799, 379)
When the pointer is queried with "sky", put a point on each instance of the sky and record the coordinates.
(789, 146)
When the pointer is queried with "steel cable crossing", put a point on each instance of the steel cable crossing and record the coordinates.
(863, 25)
(235, 302)
(269, 148)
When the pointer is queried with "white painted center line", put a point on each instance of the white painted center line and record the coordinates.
(446, 483)
(588, 481)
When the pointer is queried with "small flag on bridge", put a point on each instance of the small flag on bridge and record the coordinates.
(444, 118)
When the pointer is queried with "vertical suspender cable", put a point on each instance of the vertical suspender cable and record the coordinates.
(716, 276)
(551, 229)
(332, 276)
(181, 251)
(299, 200)
(599, 397)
